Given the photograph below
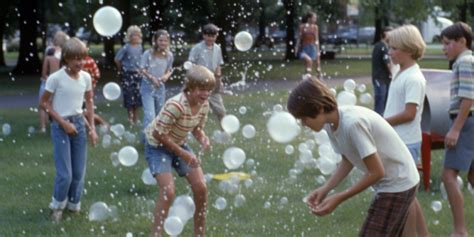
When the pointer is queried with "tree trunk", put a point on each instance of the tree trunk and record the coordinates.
(124, 6)
(109, 52)
(290, 12)
(28, 60)
(3, 19)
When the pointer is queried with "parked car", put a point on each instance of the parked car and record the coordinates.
(366, 35)
(349, 35)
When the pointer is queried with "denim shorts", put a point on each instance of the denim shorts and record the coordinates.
(160, 160)
(310, 50)
(461, 157)
(415, 150)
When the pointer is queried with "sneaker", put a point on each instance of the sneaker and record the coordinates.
(57, 215)
(43, 130)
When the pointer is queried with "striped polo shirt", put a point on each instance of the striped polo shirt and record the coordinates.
(176, 120)
(462, 83)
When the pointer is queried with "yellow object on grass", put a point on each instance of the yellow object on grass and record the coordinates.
(227, 176)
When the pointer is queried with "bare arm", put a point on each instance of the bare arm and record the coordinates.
(452, 136)
(404, 116)
(170, 145)
(89, 98)
(45, 68)
(375, 172)
(200, 135)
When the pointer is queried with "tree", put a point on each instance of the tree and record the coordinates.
(290, 16)
(28, 60)
(3, 22)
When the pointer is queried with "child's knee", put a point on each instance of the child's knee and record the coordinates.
(200, 189)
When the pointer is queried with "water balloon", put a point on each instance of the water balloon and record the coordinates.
(99, 211)
(361, 88)
(118, 129)
(349, 85)
(248, 131)
(289, 149)
(107, 21)
(187, 65)
(365, 98)
(346, 98)
(6, 129)
(243, 41)
(233, 157)
(230, 123)
(128, 156)
(173, 225)
(242, 110)
(436, 206)
(111, 91)
(239, 200)
(220, 203)
(282, 127)
(147, 177)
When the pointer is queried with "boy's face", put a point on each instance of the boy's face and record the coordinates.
(210, 39)
(199, 95)
(316, 123)
(399, 56)
(452, 48)
(75, 64)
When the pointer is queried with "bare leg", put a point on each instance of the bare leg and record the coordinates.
(410, 224)
(456, 200)
(163, 202)
(308, 62)
(421, 228)
(131, 115)
(198, 185)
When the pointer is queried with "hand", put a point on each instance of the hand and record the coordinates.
(190, 159)
(156, 82)
(70, 129)
(93, 137)
(451, 139)
(316, 197)
(204, 140)
(327, 206)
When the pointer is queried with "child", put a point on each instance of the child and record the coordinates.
(166, 148)
(128, 64)
(156, 64)
(51, 64)
(68, 87)
(459, 153)
(207, 53)
(381, 72)
(365, 140)
(308, 43)
(405, 101)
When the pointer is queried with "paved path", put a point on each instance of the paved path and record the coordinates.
(31, 100)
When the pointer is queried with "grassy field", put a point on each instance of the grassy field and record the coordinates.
(28, 171)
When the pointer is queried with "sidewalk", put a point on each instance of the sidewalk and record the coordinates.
(31, 100)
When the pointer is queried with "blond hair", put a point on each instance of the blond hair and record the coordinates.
(407, 38)
(74, 48)
(133, 29)
(60, 38)
(199, 77)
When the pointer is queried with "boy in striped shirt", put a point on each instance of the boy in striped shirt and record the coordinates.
(166, 146)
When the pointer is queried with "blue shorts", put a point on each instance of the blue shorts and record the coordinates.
(415, 151)
(310, 50)
(160, 160)
(461, 157)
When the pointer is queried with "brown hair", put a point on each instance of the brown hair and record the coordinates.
(309, 97)
(457, 31)
(199, 77)
(308, 15)
(210, 29)
(73, 48)
(157, 35)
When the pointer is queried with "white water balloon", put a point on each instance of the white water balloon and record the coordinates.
(243, 41)
(349, 85)
(365, 98)
(233, 157)
(147, 177)
(346, 98)
(111, 91)
(282, 127)
(173, 225)
(99, 211)
(230, 123)
(248, 131)
(220, 203)
(128, 156)
(107, 21)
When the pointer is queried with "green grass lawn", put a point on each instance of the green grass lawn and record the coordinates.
(28, 171)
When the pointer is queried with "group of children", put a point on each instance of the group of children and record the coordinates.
(384, 148)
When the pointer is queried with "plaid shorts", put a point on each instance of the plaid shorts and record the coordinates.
(388, 213)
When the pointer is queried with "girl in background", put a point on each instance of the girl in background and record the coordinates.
(128, 64)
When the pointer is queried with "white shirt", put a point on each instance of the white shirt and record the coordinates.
(362, 132)
(68, 93)
(406, 87)
(209, 57)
